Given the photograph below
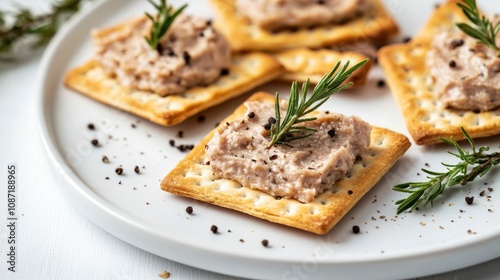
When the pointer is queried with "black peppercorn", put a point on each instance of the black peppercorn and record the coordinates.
(331, 132)
(170, 52)
(159, 48)
(469, 199)
(355, 229)
(189, 210)
(119, 171)
(214, 229)
(187, 58)
(456, 43)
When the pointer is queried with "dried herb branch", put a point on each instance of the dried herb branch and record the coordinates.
(21, 24)
(482, 29)
(164, 19)
(289, 129)
(471, 165)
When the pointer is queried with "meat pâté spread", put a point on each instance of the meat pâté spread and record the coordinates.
(282, 14)
(192, 53)
(302, 170)
(466, 73)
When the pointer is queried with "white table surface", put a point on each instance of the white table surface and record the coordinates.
(54, 240)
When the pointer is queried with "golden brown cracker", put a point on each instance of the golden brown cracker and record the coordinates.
(193, 178)
(303, 63)
(374, 25)
(246, 72)
(412, 87)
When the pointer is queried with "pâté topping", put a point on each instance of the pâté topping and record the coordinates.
(466, 65)
(182, 59)
(282, 14)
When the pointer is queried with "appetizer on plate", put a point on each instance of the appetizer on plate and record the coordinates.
(314, 27)
(283, 24)
(445, 80)
(167, 67)
(288, 163)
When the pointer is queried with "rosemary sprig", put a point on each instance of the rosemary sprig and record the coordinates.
(22, 24)
(164, 19)
(288, 129)
(472, 164)
(483, 29)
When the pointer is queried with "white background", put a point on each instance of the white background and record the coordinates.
(53, 240)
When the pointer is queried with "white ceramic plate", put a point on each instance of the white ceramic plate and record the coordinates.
(132, 206)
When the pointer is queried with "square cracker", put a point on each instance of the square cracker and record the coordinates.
(193, 178)
(303, 63)
(246, 72)
(412, 87)
(376, 24)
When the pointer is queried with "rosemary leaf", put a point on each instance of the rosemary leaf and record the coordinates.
(38, 29)
(286, 129)
(477, 161)
(482, 29)
(164, 19)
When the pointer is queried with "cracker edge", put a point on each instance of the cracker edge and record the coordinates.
(75, 80)
(358, 77)
(424, 134)
(226, 25)
(176, 183)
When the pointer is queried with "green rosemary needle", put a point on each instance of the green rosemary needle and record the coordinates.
(164, 19)
(472, 164)
(482, 29)
(288, 129)
(23, 25)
